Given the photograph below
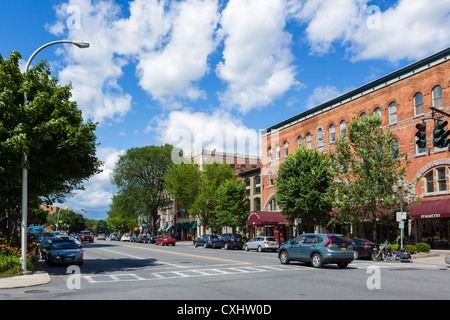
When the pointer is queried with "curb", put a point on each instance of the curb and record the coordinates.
(35, 279)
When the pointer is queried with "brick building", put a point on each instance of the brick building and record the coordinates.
(403, 99)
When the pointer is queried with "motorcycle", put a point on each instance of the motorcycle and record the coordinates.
(387, 254)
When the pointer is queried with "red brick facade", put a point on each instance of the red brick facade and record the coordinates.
(427, 77)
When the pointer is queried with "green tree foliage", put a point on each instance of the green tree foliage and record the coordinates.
(138, 174)
(366, 165)
(232, 204)
(74, 222)
(50, 129)
(303, 186)
(183, 181)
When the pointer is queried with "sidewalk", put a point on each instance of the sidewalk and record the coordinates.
(436, 257)
(34, 279)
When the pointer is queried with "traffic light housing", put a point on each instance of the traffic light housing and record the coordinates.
(440, 134)
(421, 135)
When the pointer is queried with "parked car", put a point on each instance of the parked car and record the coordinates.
(125, 237)
(205, 240)
(318, 249)
(447, 259)
(140, 238)
(165, 241)
(150, 239)
(133, 238)
(86, 236)
(363, 248)
(262, 243)
(69, 238)
(228, 241)
(62, 252)
(101, 236)
(114, 236)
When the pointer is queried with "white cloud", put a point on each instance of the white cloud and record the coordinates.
(174, 69)
(194, 131)
(322, 94)
(408, 30)
(257, 59)
(98, 189)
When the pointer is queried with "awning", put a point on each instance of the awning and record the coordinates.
(430, 209)
(266, 218)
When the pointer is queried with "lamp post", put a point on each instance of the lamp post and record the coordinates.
(23, 258)
(401, 186)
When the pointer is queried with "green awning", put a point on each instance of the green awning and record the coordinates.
(194, 225)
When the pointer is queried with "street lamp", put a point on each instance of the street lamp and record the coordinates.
(23, 258)
(401, 186)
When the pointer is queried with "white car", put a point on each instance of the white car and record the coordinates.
(262, 243)
(125, 237)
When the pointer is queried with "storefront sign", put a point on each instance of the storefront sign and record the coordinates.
(430, 216)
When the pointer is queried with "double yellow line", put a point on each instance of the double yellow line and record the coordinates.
(190, 255)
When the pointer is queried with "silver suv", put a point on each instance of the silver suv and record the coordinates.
(262, 243)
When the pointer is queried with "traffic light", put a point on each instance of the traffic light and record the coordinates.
(440, 134)
(421, 135)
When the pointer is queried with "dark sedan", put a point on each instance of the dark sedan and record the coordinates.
(62, 252)
(363, 248)
(228, 241)
(205, 240)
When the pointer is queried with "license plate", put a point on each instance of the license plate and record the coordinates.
(272, 244)
(344, 248)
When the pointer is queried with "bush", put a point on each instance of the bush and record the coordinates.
(423, 247)
(394, 246)
(410, 248)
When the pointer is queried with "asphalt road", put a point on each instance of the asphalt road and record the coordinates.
(135, 271)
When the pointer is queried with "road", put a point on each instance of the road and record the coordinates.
(135, 271)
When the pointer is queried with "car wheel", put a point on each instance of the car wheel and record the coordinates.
(246, 248)
(196, 245)
(355, 255)
(226, 246)
(317, 261)
(173, 244)
(259, 249)
(284, 257)
(342, 265)
(205, 245)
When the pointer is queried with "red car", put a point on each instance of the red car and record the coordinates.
(165, 241)
(86, 236)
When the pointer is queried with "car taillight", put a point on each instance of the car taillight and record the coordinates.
(231, 239)
(366, 246)
(266, 242)
(329, 243)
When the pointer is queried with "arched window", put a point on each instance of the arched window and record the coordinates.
(308, 141)
(278, 151)
(270, 179)
(257, 204)
(257, 184)
(319, 138)
(362, 115)
(269, 153)
(418, 103)
(286, 149)
(343, 129)
(377, 111)
(299, 141)
(332, 133)
(437, 97)
(243, 168)
(392, 113)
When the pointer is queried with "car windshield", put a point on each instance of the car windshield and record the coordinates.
(64, 245)
(86, 233)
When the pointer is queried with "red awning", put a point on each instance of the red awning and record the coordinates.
(266, 218)
(430, 209)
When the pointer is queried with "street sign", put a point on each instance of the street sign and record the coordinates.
(401, 225)
(400, 216)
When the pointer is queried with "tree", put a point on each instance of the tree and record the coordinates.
(303, 187)
(366, 165)
(183, 181)
(74, 222)
(138, 174)
(204, 206)
(60, 145)
(232, 204)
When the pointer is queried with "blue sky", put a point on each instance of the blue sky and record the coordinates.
(183, 72)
